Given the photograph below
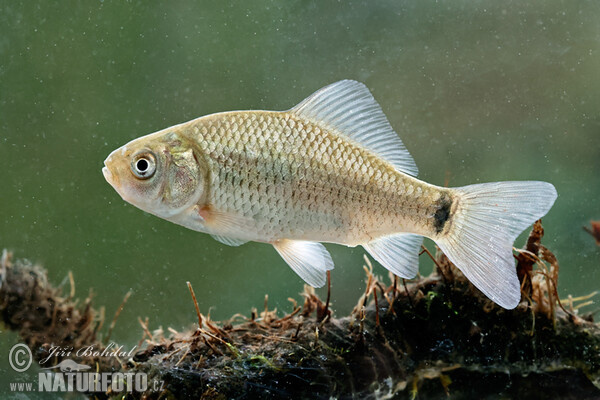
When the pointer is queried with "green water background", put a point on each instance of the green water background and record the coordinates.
(478, 90)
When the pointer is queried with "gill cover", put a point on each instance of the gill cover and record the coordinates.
(184, 180)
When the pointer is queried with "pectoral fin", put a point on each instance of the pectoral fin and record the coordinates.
(229, 241)
(223, 227)
(221, 223)
(310, 260)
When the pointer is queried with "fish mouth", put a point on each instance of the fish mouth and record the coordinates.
(108, 175)
(113, 160)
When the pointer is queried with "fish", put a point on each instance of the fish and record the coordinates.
(329, 170)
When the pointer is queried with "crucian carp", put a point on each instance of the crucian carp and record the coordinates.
(330, 169)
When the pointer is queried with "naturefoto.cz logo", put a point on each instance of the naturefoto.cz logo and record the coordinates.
(70, 376)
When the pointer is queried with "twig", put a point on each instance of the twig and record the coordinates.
(189, 285)
(555, 290)
(117, 313)
(101, 318)
(290, 315)
(145, 328)
(72, 285)
(187, 350)
(295, 335)
(328, 292)
(376, 307)
(435, 262)
(266, 306)
(207, 333)
(570, 300)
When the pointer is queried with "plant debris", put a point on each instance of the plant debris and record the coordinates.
(44, 317)
(429, 337)
(594, 231)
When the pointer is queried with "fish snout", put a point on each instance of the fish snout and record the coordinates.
(107, 174)
(110, 175)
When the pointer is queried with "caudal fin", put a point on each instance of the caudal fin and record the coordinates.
(488, 219)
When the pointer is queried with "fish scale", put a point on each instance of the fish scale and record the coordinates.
(342, 199)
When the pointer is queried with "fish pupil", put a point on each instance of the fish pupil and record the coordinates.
(142, 165)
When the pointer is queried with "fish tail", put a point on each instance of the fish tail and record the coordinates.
(484, 224)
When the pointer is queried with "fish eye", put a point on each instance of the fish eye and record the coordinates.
(143, 165)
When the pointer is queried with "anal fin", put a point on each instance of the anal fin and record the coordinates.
(398, 253)
(310, 260)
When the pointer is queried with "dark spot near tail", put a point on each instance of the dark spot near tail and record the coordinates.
(442, 215)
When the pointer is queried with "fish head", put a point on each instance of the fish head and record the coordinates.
(158, 173)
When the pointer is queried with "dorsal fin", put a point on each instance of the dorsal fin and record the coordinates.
(349, 107)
